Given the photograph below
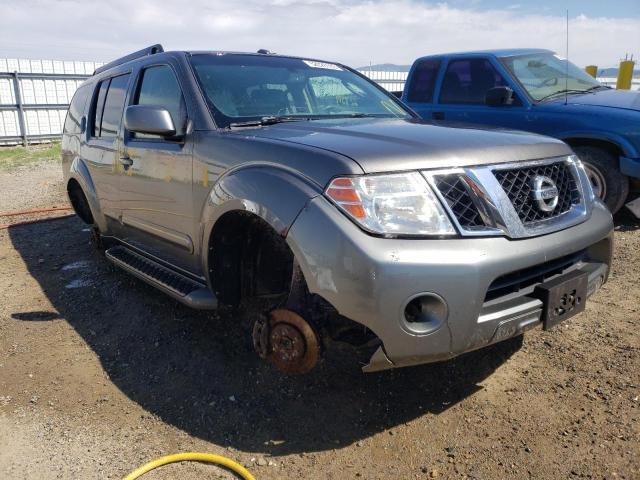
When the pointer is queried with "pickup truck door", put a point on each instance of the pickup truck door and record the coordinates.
(461, 96)
(156, 178)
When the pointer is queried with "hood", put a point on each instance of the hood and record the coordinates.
(624, 99)
(381, 145)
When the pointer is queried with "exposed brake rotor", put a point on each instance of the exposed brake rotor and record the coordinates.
(286, 341)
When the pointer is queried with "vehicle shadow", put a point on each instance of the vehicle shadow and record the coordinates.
(196, 370)
(625, 221)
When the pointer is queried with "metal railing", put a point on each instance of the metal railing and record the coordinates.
(390, 81)
(34, 97)
(611, 82)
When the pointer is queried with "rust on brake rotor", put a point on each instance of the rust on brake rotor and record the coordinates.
(293, 345)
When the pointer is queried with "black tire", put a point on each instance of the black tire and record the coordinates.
(603, 169)
(97, 241)
(79, 203)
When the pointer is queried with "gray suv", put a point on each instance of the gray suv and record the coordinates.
(303, 191)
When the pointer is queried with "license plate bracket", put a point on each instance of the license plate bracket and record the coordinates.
(563, 297)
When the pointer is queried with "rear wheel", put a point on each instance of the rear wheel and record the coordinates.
(608, 183)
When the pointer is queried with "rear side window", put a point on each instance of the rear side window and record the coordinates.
(108, 105)
(159, 87)
(423, 81)
(113, 106)
(467, 81)
(99, 106)
(72, 123)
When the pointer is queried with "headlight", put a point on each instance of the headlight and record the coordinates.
(395, 204)
(584, 179)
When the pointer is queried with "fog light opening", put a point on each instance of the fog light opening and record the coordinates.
(424, 313)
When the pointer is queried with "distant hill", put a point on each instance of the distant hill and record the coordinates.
(386, 67)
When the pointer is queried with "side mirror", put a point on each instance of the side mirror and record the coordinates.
(149, 119)
(499, 96)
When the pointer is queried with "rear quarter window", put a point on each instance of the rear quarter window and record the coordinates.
(73, 121)
(423, 81)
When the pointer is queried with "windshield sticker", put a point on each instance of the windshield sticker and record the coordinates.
(326, 66)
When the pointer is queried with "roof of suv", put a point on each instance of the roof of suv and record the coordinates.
(158, 50)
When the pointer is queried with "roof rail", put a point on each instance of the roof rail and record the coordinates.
(152, 50)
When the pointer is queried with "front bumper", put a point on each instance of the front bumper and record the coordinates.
(370, 280)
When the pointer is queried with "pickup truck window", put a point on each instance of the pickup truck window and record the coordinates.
(159, 87)
(544, 75)
(423, 81)
(243, 88)
(468, 80)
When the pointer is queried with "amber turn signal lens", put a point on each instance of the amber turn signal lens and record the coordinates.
(343, 195)
(343, 192)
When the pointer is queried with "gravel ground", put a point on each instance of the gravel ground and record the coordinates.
(100, 373)
(32, 186)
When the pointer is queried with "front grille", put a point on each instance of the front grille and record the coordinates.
(455, 192)
(518, 184)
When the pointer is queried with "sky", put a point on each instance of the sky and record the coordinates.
(353, 32)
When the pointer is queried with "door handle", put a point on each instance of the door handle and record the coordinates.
(126, 162)
(437, 115)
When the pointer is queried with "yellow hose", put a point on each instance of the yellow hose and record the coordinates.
(191, 457)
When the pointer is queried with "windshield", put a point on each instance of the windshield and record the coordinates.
(242, 88)
(543, 75)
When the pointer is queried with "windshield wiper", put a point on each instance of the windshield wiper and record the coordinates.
(562, 92)
(362, 115)
(365, 115)
(597, 87)
(299, 118)
(268, 121)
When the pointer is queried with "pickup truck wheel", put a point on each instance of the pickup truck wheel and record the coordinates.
(608, 183)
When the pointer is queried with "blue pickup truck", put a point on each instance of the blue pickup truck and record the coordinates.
(537, 91)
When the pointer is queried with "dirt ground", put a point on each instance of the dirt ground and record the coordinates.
(100, 373)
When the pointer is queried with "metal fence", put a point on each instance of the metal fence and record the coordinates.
(611, 82)
(390, 81)
(35, 95)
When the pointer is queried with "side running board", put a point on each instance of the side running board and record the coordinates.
(190, 292)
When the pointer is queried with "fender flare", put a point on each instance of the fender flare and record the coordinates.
(273, 193)
(79, 172)
(626, 147)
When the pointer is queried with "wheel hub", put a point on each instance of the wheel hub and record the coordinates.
(286, 341)
(598, 182)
